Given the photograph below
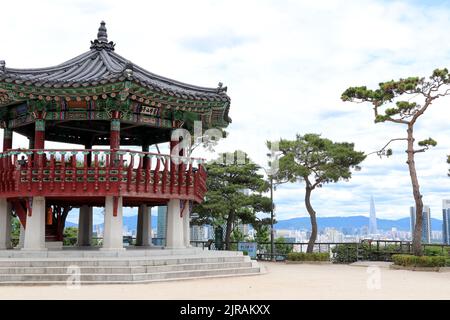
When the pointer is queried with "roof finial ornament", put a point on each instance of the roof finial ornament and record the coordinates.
(102, 36)
(2, 65)
(101, 43)
(221, 88)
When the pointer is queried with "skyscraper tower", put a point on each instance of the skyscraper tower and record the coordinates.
(426, 226)
(372, 218)
(446, 221)
(162, 224)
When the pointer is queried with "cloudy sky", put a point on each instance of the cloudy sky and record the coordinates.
(285, 63)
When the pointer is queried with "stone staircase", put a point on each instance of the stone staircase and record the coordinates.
(102, 268)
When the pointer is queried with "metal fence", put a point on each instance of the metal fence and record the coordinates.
(340, 252)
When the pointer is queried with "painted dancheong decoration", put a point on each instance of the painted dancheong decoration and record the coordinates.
(100, 98)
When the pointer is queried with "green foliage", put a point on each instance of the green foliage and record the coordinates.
(262, 234)
(281, 247)
(407, 260)
(234, 194)
(70, 236)
(316, 161)
(427, 143)
(388, 91)
(344, 253)
(348, 253)
(302, 256)
(435, 251)
(312, 155)
(237, 235)
(15, 229)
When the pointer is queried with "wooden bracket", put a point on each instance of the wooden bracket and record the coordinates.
(29, 204)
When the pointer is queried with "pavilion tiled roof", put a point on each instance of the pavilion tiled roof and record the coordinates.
(101, 65)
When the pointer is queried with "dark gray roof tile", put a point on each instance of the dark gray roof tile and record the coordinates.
(102, 65)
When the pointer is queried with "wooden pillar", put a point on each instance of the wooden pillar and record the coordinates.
(144, 229)
(145, 148)
(5, 224)
(114, 136)
(31, 142)
(88, 146)
(7, 139)
(39, 133)
(35, 227)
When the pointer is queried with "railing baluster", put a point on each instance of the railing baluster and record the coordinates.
(188, 178)
(30, 169)
(173, 169)
(119, 176)
(96, 176)
(130, 171)
(196, 177)
(63, 170)
(107, 168)
(165, 175)
(148, 167)
(17, 175)
(181, 173)
(41, 164)
(48, 169)
(139, 171)
(85, 170)
(52, 171)
(156, 175)
(74, 170)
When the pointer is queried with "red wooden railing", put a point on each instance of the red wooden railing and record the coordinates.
(95, 172)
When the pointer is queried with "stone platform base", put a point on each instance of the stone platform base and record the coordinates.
(78, 267)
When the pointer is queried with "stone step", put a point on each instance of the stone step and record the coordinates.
(125, 269)
(98, 253)
(23, 279)
(117, 262)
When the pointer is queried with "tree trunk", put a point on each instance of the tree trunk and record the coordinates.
(230, 220)
(312, 216)
(417, 233)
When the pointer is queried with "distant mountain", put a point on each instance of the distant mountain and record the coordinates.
(70, 224)
(128, 221)
(339, 223)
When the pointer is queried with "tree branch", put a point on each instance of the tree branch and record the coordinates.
(382, 150)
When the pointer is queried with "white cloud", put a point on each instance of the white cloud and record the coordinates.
(285, 64)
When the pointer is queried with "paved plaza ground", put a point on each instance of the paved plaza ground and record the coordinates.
(281, 281)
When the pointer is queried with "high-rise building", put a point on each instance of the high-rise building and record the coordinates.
(372, 218)
(199, 233)
(162, 222)
(446, 221)
(426, 226)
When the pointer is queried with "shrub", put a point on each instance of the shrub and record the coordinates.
(344, 253)
(302, 256)
(407, 260)
(434, 251)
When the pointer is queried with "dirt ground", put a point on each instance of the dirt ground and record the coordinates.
(281, 281)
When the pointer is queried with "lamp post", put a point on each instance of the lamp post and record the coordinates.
(272, 244)
(272, 231)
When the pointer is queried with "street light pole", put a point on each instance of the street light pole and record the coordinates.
(272, 244)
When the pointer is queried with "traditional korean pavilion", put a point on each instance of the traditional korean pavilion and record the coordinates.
(99, 98)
